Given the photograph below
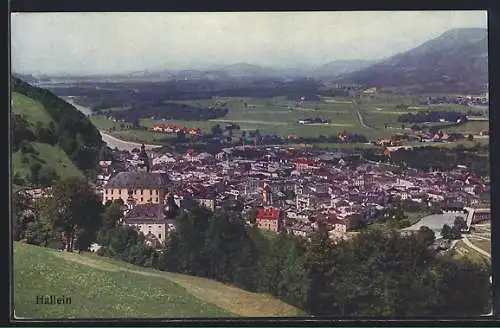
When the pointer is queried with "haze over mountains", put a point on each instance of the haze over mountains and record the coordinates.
(456, 61)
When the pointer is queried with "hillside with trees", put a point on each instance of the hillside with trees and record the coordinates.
(456, 61)
(50, 138)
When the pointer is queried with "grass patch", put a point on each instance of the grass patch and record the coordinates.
(49, 155)
(105, 288)
(484, 244)
(462, 250)
(96, 293)
(102, 123)
(32, 110)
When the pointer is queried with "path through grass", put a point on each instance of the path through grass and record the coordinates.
(105, 288)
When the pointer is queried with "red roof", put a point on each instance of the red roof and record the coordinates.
(303, 161)
(268, 213)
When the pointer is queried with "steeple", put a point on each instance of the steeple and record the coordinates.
(144, 157)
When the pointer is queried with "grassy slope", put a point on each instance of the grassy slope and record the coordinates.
(32, 110)
(101, 288)
(52, 156)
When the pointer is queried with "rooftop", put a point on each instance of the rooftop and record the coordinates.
(138, 180)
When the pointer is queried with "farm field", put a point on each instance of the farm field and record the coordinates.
(102, 123)
(381, 110)
(279, 116)
(105, 288)
(275, 115)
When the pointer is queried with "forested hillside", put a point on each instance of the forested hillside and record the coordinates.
(49, 137)
(456, 61)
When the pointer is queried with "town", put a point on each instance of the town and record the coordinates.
(285, 189)
(222, 168)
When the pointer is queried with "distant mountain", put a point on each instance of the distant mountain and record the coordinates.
(248, 70)
(29, 78)
(339, 67)
(456, 61)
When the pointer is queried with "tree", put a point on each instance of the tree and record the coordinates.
(135, 122)
(450, 232)
(22, 214)
(258, 136)
(410, 205)
(319, 263)
(47, 175)
(112, 215)
(38, 233)
(455, 299)
(181, 136)
(216, 130)
(26, 147)
(46, 133)
(460, 224)
(426, 235)
(252, 215)
(34, 172)
(470, 137)
(446, 232)
(73, 205)
(18, 180)
(356, 223)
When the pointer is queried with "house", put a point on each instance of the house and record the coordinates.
(305, 201)
(269, 218)
(39, 193)
(139, 187)
(152, 220)
(301, 229)
(370, 91)
(104, 164)
(302, 164)
(337, 230)
(206, 198)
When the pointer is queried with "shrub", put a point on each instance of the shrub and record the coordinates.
(26, 147)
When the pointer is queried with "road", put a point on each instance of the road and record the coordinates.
(360, 117)
(114, 142)
(111, 141)
(85, 110)
(477, 249)
(362, 121)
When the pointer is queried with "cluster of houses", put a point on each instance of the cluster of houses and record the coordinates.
(468, 100)
(398, 140)
(171, 128)
(285, 189)
(313, 120)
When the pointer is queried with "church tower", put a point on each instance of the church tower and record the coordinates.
(143, 156)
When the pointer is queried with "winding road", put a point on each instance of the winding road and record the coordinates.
(114, 142)
(111, 141)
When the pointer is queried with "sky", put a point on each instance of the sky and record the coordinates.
(108, 43)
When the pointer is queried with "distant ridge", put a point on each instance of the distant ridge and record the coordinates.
(456, 61)
(339, 67)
